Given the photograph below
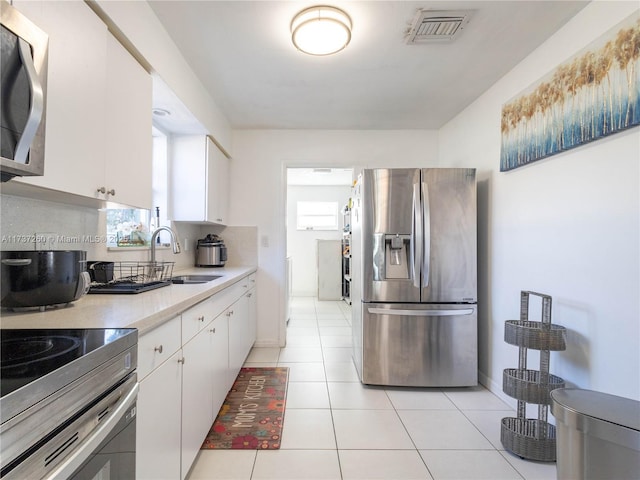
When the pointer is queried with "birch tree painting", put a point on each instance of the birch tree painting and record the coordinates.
(592, 95)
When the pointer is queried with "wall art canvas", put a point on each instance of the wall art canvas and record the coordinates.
(592, 95)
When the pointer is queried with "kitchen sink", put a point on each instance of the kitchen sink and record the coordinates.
(181, 279)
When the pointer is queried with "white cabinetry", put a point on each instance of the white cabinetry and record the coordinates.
(219, 330)
(242, 325)
(98, 109)
(159, 403)
(185, 368)
(199, 180)
(128, 147)
(197, 395)
(77, 77)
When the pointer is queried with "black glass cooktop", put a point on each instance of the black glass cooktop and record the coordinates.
(28, 354)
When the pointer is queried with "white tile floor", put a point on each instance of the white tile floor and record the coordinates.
(336, 428)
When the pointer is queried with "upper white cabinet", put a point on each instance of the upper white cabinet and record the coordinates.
(128, 148)
(199, 180)
(77, 78)
(98, 127)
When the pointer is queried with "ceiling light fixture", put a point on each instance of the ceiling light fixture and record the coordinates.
(321, 30)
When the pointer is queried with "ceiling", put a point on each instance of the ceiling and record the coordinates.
(242, 52)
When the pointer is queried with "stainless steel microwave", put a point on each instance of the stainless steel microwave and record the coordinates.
(23, 56)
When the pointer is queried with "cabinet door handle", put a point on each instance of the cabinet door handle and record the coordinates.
(249, 295)
(108, 192)
(201, 318)
(181, 360)
(158, 349)
(213, 330)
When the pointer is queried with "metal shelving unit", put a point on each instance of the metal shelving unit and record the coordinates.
(532, 438)
(346, 254)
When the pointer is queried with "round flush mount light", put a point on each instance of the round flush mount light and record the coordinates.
(321, 30)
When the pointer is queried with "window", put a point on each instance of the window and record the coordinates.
(127, 227)
(317, 216)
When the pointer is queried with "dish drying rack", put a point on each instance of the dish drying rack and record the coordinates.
(137, 272)
(532, 438)
(129, 277)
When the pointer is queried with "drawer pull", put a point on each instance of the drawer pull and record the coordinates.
(249, 295)
(158, 349)
(181, 360)
(201, 318)
(213, 330)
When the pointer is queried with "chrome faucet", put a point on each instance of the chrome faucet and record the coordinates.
(174, 242)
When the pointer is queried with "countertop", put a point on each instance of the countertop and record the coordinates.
(143, 311)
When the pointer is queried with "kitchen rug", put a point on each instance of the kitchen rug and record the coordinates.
(252, 415)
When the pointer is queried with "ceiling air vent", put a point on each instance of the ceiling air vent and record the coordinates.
(437, 26)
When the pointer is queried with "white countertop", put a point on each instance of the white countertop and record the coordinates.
(143, 311)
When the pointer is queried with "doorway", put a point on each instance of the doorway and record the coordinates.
(315, 200)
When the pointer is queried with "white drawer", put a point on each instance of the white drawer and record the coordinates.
(195, 319)
(243, 286)
(158, 345)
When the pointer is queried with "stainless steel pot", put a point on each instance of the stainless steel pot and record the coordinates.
(41, 278)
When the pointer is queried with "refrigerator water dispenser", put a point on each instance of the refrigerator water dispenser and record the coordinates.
(391, 256)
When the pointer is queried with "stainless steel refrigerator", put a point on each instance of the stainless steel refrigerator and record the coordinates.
(414, 277)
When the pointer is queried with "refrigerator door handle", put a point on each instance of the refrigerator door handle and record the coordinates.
(426, 244)
(416, 236)
(422, 313)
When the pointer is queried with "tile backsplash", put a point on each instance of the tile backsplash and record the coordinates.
(63, 227)
(57, 226)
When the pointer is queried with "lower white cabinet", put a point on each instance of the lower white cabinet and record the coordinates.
(252, 300)
(158, 422)
(184, 383)
(242, 330)
(237, 315)
(219, 331)
(197, 394)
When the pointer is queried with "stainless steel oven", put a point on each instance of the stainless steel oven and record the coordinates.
(24, 53)
(68, 405)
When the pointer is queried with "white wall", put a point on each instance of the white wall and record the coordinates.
(567, 226)
(258, 185)
(302, 244)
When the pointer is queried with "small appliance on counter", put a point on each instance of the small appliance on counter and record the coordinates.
(43, 278)
(211, 252)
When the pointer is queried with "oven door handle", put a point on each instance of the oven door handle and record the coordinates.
(84, 451)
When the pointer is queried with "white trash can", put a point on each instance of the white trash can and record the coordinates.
(598, 435)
